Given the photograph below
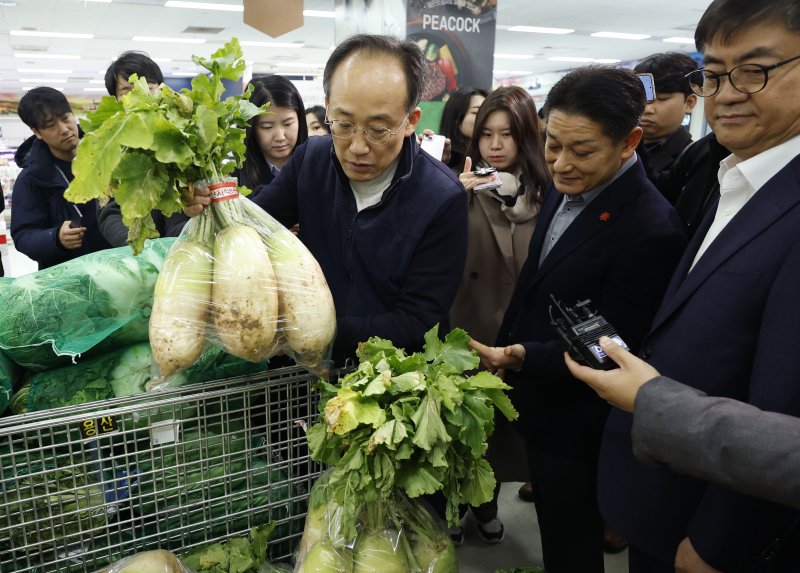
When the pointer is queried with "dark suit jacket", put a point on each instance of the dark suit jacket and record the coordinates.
(620, 252)
(664, 155)
(727, 329)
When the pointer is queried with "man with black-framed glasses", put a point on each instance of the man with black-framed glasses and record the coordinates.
(727, 322)
(386, 221)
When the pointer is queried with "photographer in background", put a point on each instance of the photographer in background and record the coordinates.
(45, 226)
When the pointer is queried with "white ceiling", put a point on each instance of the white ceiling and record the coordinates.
(114, 25)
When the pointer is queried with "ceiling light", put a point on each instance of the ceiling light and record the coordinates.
(570, 59)
(94, 89)
(169, 40)
(539, 30)
(162, 60)
(47, 56)
(42, 71)
(44, 82)
(26, 88)
(619, 35)
(99, 1)
(514, 56)
(607, 60)
(39, 34)
(319, 13)
(204, 6)
(513, 72)
(679, 40)
(8, 3)
(97, 81)
(184, 74)
(272, 44)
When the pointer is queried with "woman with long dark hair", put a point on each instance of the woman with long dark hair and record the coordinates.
(273, 135)
(458, 119)
(507, 138)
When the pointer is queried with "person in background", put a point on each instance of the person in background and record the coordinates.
(457, 124)
(715, 439)
(387, 224)
(45, 226)
(315, 118)
(501, 223)
(724, 326)
(604, 233)
(272, 136)
(128, 63)
(664, 135)
(117, 85)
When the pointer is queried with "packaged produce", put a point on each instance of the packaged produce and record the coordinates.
(155, 561)
(400, 425)
(85, 306)
(235, 276)
(394, 535)
(238, 278)
(9, 379)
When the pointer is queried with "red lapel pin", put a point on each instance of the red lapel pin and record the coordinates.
(605, 216)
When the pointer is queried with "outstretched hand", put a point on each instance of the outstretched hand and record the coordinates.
(498, 359)
(619, 386)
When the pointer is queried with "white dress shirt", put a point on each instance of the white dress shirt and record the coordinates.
(740, 180)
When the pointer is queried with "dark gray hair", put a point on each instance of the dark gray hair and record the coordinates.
(724, 18)
(408, 52)
(612, 97)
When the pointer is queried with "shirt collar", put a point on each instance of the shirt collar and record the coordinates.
(764, 166)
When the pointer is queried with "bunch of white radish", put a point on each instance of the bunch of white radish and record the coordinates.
(238, 277)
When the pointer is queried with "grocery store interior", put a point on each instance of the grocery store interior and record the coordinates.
(68, 44)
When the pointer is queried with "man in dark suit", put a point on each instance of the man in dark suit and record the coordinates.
(604, 233)
(728, 320)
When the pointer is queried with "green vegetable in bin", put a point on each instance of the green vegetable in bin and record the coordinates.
(49, 505)
(236, 555)
(94, 303)
(9, 376)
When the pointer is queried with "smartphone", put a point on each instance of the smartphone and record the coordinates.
(649, 87)
(433, 144)
(76, 222)
(493, 183)
(483, 171)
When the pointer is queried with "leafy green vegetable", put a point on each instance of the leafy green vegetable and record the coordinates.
(147, 148)
(415, 422)
(97, 302)
(236, 555)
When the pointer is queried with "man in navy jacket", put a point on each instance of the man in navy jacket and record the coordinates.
(728, 322)
(604, 233)
(387, 222)
(45, 226)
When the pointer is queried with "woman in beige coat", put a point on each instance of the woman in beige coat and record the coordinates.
(507, 138)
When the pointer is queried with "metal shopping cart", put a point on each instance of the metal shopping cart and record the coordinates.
(86, 485)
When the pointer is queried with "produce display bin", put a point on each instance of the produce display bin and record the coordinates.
(86, 485)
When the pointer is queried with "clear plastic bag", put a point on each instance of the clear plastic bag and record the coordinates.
(238, 278)
(156, 561)
(395, 534)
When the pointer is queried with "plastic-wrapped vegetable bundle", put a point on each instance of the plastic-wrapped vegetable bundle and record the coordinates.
(155, 561)
(95, 303)
(9, 376)
(394, 535)
(238, 278)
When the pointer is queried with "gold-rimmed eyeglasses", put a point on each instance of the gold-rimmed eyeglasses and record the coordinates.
(747, 78)
(377, 135)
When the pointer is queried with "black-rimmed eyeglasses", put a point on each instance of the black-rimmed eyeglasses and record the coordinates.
(377, 135)
(747, 78)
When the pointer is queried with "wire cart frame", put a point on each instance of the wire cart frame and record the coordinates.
(84, 486)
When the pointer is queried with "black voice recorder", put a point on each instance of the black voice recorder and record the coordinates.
(579, 328)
